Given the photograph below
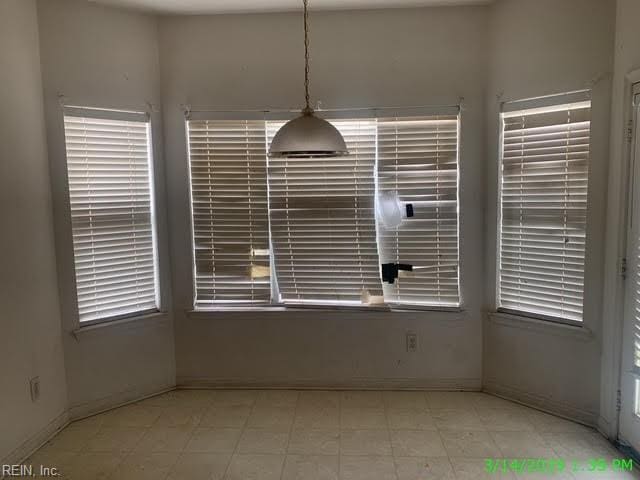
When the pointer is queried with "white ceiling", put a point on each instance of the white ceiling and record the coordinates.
(238, 6)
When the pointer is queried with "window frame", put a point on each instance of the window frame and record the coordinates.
(553, 100)
(333, 114)
(144, 115)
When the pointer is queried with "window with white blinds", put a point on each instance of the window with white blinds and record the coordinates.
(111, 198)
(323, 222)
(418, 161)
(229, 211)
(544, 177)
(304, 230)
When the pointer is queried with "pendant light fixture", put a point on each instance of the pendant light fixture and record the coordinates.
(307, 136)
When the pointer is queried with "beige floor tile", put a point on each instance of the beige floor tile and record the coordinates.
(314, 442)
(230, 416)
(200, 466)
(545, 422)
(405, 400)
(365, 442)
(310, 467)
(225, 398)
(469, 444)
(317, 418)
(361, 399)
(417, 443)
(450, 400)
(571, 445)
(475, 469)
(209, 425)
(500, 419)
(44, 454)
(280, 418)
(115, 439)
(319, 399)
(465, 420)
(180, 416)
(367, 468)
(277, 398)
(164, 439)
(92, 466)
(522, 445)
(410, 420)
(363, 418)
(213, 440)
(255, 467)
(135, 415)
(263, 441)
(424, 468)
(145, 466)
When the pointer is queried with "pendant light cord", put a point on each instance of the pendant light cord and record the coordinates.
(307, 109)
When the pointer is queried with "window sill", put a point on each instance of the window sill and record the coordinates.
(130, 321)
(542, 326)
(207, 312)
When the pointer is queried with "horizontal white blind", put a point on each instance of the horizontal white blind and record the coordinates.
(544, 176)
(418, 160)
(323, 221)
(110, 192)
(230, 214)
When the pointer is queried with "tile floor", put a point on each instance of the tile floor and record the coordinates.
(316, 435)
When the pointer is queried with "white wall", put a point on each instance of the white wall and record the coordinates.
(30, 315)
(627, 59)
(541, 48)
(103, 57)
(404, 57)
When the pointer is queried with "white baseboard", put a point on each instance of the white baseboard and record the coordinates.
(468, 384)
(23, 451)
(560, 409)
(93, 407)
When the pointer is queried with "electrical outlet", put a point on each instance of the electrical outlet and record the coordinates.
(34, 386)
(412, 342)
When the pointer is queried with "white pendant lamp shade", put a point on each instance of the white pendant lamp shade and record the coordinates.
(307, 136)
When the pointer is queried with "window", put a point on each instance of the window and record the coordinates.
(418, 160)
(111, 199)
(544, 173)
(323, 221)
(304, 231)
(229, 211)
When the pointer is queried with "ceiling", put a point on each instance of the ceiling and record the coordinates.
(239, 6)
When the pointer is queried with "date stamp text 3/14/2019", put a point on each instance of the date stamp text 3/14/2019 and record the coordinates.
(552, 466)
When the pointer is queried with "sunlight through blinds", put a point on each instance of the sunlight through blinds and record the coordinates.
(111, 198)
(418, 160)
(323, 221)
(544, 178)
(229, 211)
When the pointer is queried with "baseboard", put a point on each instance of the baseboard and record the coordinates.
(22, 452)
(450, 384)
(125, 397)
(539, 402)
